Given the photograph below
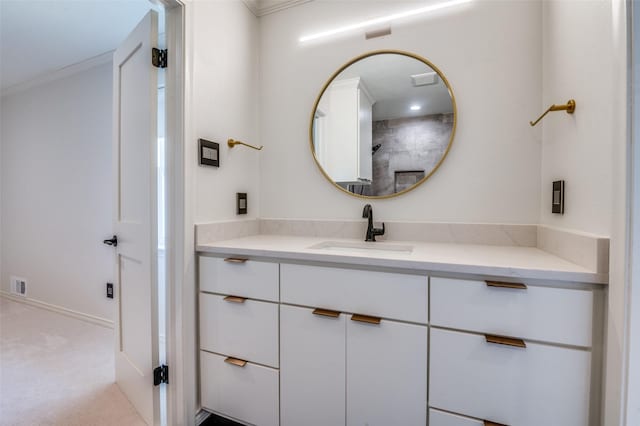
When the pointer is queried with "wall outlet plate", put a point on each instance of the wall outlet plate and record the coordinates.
(557, 197)
(18, 286)
(110, 290)
(209, 153)
(242, 203)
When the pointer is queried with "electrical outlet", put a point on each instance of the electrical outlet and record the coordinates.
(110, 290)
(19, 286)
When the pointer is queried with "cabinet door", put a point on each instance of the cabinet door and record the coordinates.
(537, 385)
(386, 374)
(365, 137)
(312, 368)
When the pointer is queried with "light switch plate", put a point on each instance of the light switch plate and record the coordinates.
(557, 197)
(242, 202)
(209, 153)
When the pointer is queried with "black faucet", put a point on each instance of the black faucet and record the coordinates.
(371, 231)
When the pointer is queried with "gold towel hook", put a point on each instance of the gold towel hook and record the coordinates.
(570, 107)
(233, 143)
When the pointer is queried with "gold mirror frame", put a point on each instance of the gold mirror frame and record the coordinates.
(348, 64)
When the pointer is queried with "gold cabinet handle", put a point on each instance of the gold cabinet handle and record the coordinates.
(502, 340)
(235, 260)
(516, 286)
(235, 299)
(326, 313)
(365, 318)
(490, 423)
(235, 361)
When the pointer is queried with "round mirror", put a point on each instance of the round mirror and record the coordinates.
(382, 124)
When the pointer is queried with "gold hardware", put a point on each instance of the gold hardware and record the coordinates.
(235, 361)
(326, 313)
(233, 143)
(365, 318)
(570, 107)
(490, 423)
(517, 286)
(235, 299)
(235, 260)
(328, 83)
(508, 341)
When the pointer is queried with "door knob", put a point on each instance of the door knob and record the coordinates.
(112, 242)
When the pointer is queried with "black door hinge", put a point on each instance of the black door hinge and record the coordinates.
(159, 57)
(160, 375)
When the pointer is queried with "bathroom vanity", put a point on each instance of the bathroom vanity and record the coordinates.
(305, 331)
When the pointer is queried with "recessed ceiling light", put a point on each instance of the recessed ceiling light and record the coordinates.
(384, 19)
(415, 107)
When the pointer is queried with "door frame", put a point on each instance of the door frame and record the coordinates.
(175, 80)
(631, 393)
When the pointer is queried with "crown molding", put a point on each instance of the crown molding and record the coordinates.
(67, 71)
(255, 6)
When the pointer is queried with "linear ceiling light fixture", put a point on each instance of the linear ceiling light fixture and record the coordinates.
(384, 19)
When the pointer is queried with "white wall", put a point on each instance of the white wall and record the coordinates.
(490, 51)
(225, 105)
(221, 50)
(56, 191)
(578, 63)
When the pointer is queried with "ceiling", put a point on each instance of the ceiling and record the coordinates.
(265, 7)
(387, 78)
(38, 37)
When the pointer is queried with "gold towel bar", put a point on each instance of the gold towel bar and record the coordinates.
(233, 143)
(570, 107)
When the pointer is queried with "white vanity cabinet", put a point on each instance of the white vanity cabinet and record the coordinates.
(344, 130)
(347, 357)
(295, 344)
(511, 354)
(239, 343)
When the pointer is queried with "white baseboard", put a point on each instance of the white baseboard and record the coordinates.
(59, 309)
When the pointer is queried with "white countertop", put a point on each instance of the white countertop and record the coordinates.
(499, 261)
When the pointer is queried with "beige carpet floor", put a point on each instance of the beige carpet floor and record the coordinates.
(57, 370)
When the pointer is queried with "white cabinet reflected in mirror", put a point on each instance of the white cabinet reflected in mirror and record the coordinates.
(382, 124)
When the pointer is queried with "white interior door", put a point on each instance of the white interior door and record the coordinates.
(135, 93)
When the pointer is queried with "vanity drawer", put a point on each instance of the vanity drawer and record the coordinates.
(381, 294)
(532, 386)
(441, 418)
(248, 393)
(538, 313)
(246, 330)
(239, 277)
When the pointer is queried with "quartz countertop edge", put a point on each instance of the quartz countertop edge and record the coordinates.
(472, 259)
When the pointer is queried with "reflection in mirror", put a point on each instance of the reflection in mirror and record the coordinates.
(383, 124)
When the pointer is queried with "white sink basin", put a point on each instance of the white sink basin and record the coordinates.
(363, 247)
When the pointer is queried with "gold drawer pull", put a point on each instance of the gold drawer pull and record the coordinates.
(326, 313)
(365, 318)
(490, 423)
(508, 341)
(235, 361)
(235, 260)
(516, 286)
(235, 299)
